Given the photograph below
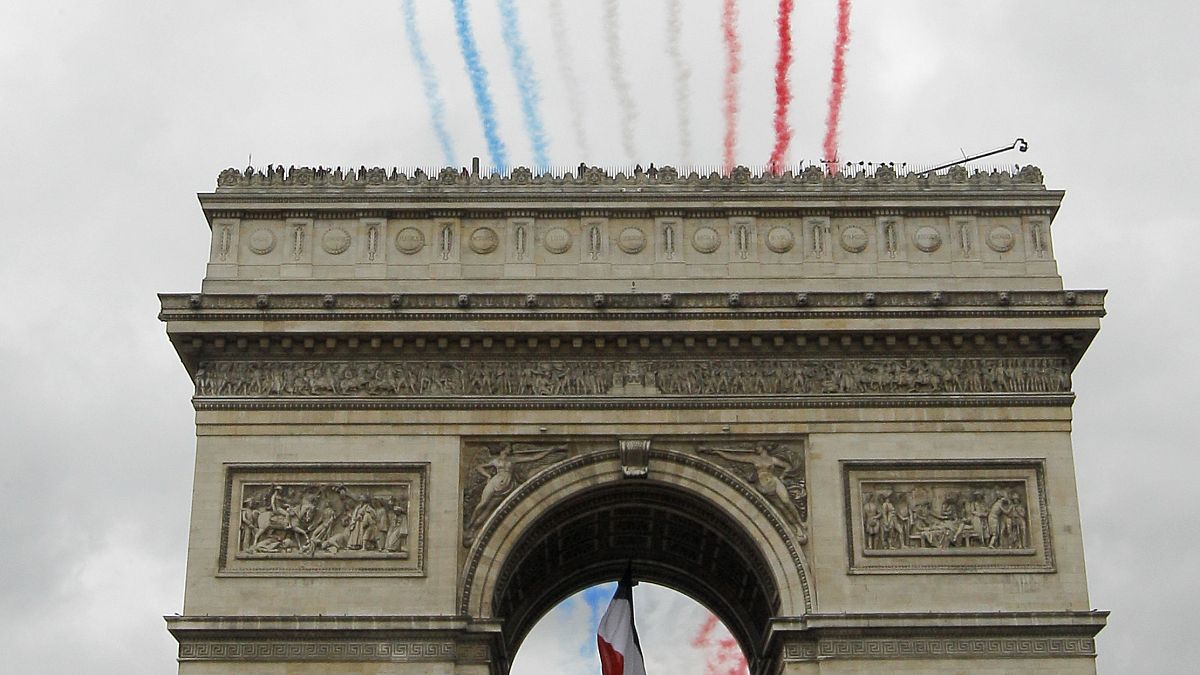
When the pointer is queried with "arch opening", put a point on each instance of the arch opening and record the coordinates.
(670, 536)
(678, 635)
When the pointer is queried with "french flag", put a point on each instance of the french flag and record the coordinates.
(617, 639)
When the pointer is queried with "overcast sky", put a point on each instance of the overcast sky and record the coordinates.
(114, 114)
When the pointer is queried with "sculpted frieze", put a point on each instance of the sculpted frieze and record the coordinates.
(496, 469)
(949, 517)
(945, 517)
(326, 519)
(774, 469)
(306, 520)
(632, 377)
(771, 471)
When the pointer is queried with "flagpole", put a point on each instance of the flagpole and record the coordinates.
(616, 637)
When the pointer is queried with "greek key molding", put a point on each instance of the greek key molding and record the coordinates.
(935, 647)
(320, 650)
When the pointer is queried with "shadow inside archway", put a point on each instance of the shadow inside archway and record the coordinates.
(671, 538)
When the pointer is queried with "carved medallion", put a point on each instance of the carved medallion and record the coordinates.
(484, 240)
(706, 240)
(410, 240)
(557, 240)
(854, 239)
(262, 241)
(780, 239)
(927, 239)
(631, 240)
(1000, 239)
(336, 241)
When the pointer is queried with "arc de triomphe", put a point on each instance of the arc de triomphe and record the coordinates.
(834, 410)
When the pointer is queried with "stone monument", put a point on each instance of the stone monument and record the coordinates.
(834, 410)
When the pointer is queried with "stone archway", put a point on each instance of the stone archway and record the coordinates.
(689, 524)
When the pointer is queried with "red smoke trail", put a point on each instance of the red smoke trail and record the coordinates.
(837, 86)
(783, 89)
(733, 64)
(725, 657)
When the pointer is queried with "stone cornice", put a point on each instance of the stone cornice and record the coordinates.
(623, 306)
(972, 635)
(640, 403)
(211, 625)
(880, 622)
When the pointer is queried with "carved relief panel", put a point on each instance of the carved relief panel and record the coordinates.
(260, 242)
(669, 233)
(705, 241)
(682, 377)
(330, 519)
(1001, 239)
(891, 233)
(928, 240)
(919, 517)
(781, 240)
(333, 242)
(372, 244)
(852, 239)
(818, 239)
(770, 471)
(556, 241)
(296, 247)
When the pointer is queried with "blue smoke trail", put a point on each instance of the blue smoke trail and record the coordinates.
(479, 84)
(437, 110)
(527, 83)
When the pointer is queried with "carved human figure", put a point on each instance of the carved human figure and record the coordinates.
(499, 474)
(362, 524)
(1017, 526)
(890, 523)
(871, 524)
(397, 535)
(249, 524)
(324, 526)
(999, 511)
(278, 518)
(767, 481)
(975, 518)
(383, 523)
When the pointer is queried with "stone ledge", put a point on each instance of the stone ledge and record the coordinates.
(334, 638)
(477, 306)
(630, 403)
(974, 635)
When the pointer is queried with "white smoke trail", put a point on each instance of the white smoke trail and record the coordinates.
(565, 55)
(617, 73)
(683, 86)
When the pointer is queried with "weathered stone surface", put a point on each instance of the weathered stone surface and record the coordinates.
(834, 410)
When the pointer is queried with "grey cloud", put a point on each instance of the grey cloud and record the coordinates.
(116, 113)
